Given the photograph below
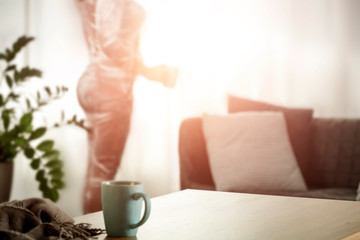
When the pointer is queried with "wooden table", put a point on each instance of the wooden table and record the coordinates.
(197, 215)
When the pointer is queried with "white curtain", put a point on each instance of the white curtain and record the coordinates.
(298, 53)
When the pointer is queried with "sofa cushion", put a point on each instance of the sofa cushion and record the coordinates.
(298, 122)
(251, 152)
(324, 193)
(335, 158)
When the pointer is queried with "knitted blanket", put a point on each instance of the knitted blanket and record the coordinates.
(35, 219)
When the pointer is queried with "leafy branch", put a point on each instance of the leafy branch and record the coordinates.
(17, 134)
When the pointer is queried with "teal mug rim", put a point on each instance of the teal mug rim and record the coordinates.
(121, 183)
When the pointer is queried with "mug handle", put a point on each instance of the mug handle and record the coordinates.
(146, 198)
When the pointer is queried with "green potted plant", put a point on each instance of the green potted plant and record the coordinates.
(18, 106)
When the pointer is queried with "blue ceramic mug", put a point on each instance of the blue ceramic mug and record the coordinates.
(121, 204)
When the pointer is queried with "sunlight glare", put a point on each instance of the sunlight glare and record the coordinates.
(200, 37)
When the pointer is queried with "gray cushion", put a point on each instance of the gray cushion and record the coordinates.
(335, 158)
(326, 193)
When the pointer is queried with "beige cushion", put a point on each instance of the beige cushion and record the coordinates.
(298, 122)
(251, 151)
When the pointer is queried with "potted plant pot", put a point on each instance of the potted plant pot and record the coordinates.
(6, 173)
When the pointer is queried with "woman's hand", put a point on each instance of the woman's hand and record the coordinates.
(161, 73)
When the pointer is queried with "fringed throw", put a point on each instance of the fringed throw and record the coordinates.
(35, 218)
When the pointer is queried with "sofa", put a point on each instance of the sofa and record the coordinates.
(327, 151)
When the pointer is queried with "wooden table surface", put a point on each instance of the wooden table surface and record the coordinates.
(195, 214)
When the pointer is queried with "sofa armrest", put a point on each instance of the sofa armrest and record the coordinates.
(194, 164)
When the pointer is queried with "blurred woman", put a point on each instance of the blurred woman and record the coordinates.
(105, 90)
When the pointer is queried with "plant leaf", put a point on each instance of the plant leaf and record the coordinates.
(40, 175)
(51, 155)
(16, 76)
(53, 195)
(20, 141)
(2, 56)
(26, 120)
(14, 96)
(54, 164)
(29, 152)
(46, 192)
(20, 43)
(43, 184)
(48, 90)
(34, 72)
(9, 81)
(10, 67)
(10, 55)
(64, 89)
(39, 132)
(6, 119)
(56, 173)
(59, 184)
(35, 164)
(28, 104)
(29, 129)
(45, 146)
(27, 72)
